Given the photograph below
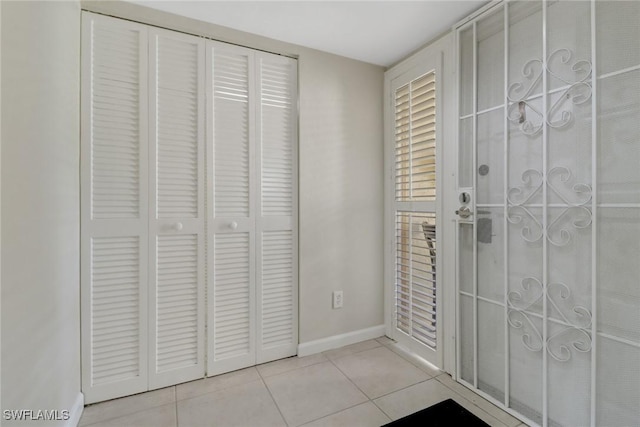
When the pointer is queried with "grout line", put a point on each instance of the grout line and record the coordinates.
(334, 413)
(175, 399)
(350, 380)
(401, 389)
(476, 395)
(271, 395)
(352, 353)
(293, 369)
(411, 358)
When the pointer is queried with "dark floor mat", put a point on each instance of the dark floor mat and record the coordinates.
(446, 413)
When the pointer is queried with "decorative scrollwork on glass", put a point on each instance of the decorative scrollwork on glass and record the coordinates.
(532, 230)
(575, 324)
(582, 192)
(574, 213)
(577, 90)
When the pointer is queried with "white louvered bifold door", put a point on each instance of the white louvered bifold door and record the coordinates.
(114, 208)
(176, 208)
(276, 227)
(413, 222)
(231, 288)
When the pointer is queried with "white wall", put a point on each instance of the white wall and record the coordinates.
(341, 183)
(40, 206)
(341, 203)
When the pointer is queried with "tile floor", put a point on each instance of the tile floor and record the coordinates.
(364, 384)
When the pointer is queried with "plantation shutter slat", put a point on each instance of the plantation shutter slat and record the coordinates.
(415, 150)
(415, 248)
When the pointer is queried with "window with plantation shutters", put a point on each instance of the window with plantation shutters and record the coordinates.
(412, 223)
(415, 140)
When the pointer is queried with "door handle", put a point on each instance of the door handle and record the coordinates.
(464, 212)
(233, 225)
(177, 226)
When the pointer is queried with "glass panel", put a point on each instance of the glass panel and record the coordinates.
(618, 384)
(490, 32)
(466, 339)
(465, 153)
(466, 72)
(525, 45)
(569, 377)
(491, 349)
(490, 223)
(568, 39)
(618, 138)
(525, 366)
(465, 263)
(490, 152)
(618, 273)
(617, 35)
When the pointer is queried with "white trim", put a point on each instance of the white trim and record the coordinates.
(337, 341)
(458, 25)
(437, 55)
(75, 412)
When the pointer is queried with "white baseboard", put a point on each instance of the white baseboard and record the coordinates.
(336, 341)
(76, 411)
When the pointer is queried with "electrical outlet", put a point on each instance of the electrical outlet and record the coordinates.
(337, 299)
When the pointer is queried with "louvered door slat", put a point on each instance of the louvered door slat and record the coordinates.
(232, 288)
(230, 76)
(276, 224)
(177, 230)
(115, 61)
(117, 311)
(113, 208)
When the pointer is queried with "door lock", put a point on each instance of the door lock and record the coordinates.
(464, 212)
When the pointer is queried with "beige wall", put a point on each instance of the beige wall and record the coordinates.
(40, 206)
(341, 183)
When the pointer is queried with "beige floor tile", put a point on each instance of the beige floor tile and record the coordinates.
(414, 398)
(431, 370)
(351, 349)
(126, 405)
(161, 416)
(379, 371)
(219, 382)
(313, 392)
(242, 405)
(482, 403)
(423, 395)
(364, 415)
(385, 341)
(289, 364)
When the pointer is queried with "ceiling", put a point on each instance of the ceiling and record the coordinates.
(378, 32)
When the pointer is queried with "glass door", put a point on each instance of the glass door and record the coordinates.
(548, 302)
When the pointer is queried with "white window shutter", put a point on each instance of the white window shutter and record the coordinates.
(114, 208)
(413, 202)
(176, 209)
(231, 291)
(276, 224)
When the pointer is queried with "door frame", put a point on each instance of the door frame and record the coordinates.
(446, 190)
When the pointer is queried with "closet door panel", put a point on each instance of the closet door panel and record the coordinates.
(176, 211)
(231, 295)
(277, 266)
(113, 208)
